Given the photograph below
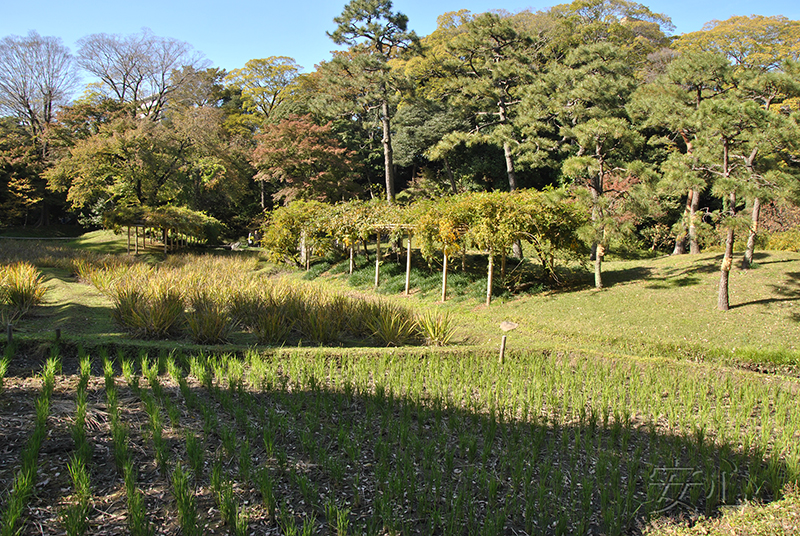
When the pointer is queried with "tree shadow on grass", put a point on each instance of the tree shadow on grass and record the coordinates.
(789, 292)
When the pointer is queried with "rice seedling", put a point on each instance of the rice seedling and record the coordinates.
(138, 523)
(185, 500)
(3, 370)
(266, 487)
(25, 479)
(75, 516)
(234, 518)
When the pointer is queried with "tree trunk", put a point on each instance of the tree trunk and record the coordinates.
(303, 250)
(352, 259)
(598, 249)
(747, 261)
(598, 264)
(444, 277)
(694, 245)
(450, 176)
(388, 162)
(680, 240)
(723, 301)
(129, 240)
(263, 199)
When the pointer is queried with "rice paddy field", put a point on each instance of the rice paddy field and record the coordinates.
(272, 405)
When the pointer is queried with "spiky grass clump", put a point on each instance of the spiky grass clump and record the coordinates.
(392, 325)
(21, 288)
(148, 307)
(436, 328)
(209, 320)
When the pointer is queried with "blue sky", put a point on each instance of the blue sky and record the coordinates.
(230, 33)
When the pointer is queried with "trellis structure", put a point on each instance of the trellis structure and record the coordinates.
(177, 226)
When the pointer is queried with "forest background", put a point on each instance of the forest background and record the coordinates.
(669, 143)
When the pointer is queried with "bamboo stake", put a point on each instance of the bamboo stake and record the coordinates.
(378, 260)
(444, 277)
(490, 279)
(408, 264)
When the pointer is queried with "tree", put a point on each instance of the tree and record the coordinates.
(763, 52)
(304, 161)
(20, 165)
(184, 160)
(140, 70)
(670, 103)
(420, 125)
(582, 100)
(631, 26)
(488, 62)
(265, 85)
(755, 42)
(376, 35)
(37, 76)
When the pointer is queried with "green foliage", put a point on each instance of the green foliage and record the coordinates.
(784, 241)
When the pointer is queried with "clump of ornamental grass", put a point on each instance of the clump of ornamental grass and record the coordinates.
(149, 307)
(21, 288)
(392, 325)
(436, 328)
(208, 319)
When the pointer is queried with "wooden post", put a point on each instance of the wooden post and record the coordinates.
(352, 258)
(490, 278)
(136, 247)
(503, 350)
(444, 277)
(129, 240)
(408, 264)
(378, 260)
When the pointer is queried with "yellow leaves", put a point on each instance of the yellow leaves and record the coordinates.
(752, 42)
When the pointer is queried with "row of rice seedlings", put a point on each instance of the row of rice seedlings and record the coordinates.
(22, 287)
(4, 362)
(588, 407)
(239, 403)
(75, 515)
(138, 523)
(233, 515)
(316, 437)
(25, 479)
